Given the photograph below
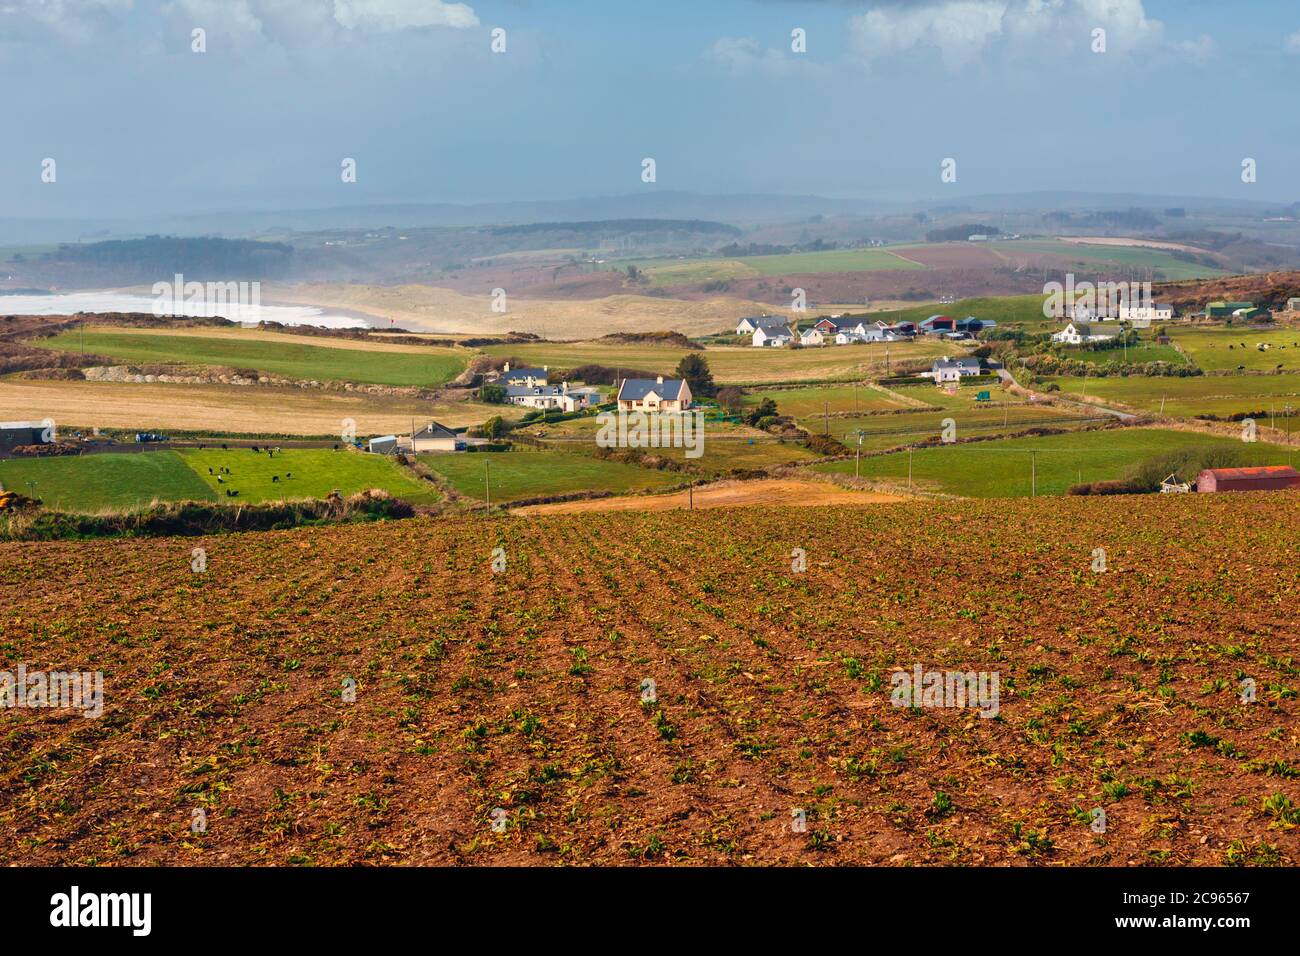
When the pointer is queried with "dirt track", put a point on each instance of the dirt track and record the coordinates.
(774, 491)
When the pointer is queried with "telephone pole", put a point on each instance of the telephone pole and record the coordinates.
(487, 484)
(1033, 474)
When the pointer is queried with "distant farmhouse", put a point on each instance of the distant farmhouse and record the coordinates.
(765, 337)
(1293, 305)
(750, 325)
(654, 395)
(552, 396)
(527, 377)
(1077, 333)
(1264, 478)
(812, 336)
(16, 434)
(432, 437)
(1146, 314)
(952, 370)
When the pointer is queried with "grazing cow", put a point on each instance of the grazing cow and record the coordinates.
(275, 478)
(209, 469)
(288, 474)
(220, 480)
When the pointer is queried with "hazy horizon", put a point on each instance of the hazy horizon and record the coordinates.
(141, 126)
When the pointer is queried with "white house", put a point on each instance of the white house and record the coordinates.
(812, 336)
(1146, 314)
(951, 370)
(550, 396)
(774, 338)
(1077, 333)
(751, 324)
(654, 395)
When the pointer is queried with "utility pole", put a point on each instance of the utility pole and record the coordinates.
(691, 493)
(857, 465)
(826, 426)
(909, 467)
(487, 484)
(1033, 474)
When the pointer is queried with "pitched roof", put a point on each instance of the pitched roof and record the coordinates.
(635, 389)
(522, 373)
(1263, 471)
(434, 430)
(955, 363)
(764, 321)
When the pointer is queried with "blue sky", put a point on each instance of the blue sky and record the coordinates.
(139, 124)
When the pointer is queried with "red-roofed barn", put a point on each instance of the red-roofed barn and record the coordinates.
(1263, 478)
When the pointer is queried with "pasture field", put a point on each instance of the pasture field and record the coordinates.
(814, 400)
(1004, 468)
(739, 364)
(522, 690)
(667, 272)
(1225, 349)
(129, 480)
(226, 409)
(304, 473)
(1196, 395)
(725, 446)
(1016, 311)
(1093, 257)
(893, 431)
(269, 352)
(89, 484)
(1134, 355)
(530, 474)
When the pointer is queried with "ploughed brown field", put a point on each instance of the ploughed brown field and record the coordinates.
(520, 692)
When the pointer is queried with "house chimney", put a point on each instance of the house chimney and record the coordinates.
(660, 380)
(507, 368)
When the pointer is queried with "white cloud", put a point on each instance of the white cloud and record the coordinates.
(961, 31)
(746, 54)
(1292, 44)
(388, 16)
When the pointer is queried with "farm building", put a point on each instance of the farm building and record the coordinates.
(1293, 305)
(951, 370)
(1263, 478)
(432, 437)
(1146, 314)
(830, 324)
(15, 434)
(1078, 332)
(527, 377)
(383, 445)
(1220, 310)
(751, 324)
(937, 323)
(973, 325)
(772, 338)
(651, 395)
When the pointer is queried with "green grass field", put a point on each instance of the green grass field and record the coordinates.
(277, 354)
(725, 446)
(669, 272)
(1090, 257)
(528, 474)
(93, 483)
(1138, 354)
(1002, 469)
(1198, 395)
(813, 400)
(315, 474)
(1225, 349)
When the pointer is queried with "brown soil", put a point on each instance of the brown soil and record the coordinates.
(522, 690)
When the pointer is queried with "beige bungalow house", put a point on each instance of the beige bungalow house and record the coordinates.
(654, 395)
